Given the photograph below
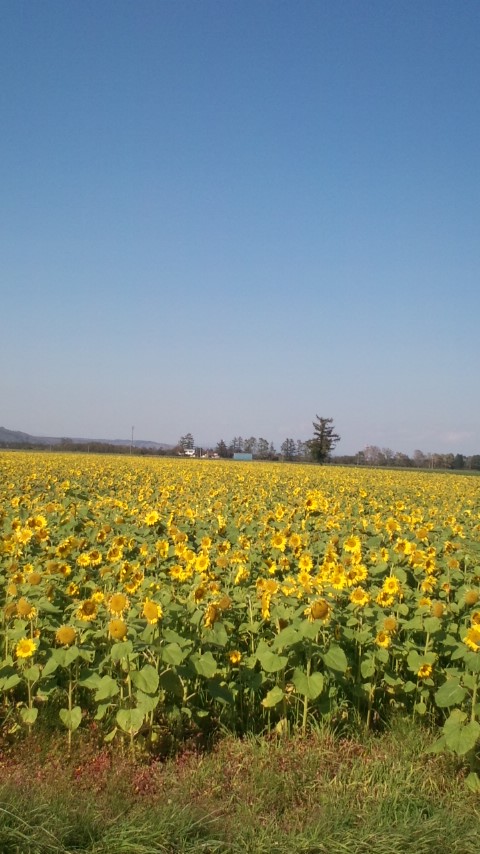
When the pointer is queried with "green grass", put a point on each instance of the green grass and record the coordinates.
(317, 795)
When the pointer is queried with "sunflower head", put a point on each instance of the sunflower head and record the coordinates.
(65, 635)
(25, 609)
(118, 603)
(25, 648)
(152, 611)
(117, 629)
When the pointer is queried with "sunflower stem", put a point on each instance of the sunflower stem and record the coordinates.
(474, 700)
(70, 693)
(305, 702)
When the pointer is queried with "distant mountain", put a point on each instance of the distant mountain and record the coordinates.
(17, 437)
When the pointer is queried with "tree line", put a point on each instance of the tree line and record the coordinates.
(318, 449)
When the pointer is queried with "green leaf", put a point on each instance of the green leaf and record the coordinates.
(309, 686)
(90, 680)
(432, 625)
(121, 650)
(173, 637)
(217, 634)
(58, 655)
(414, 660)
(173, 654)
(367, 668)
(335, 659)
(146, 702)
(108, 688)
(271, 662)
(29, 716)
(110, 735)
(450, 693)
(130, 720)
(71, 719)
(437, 747)
(472, 661)
(461, 738)
(273, 697)
(71, 655)
(420, 708)
(205, 665)
(146, 679)
(50, 667)
(32, 674)
(219, 690)
(310, 630)
(9, 682)
(171, 682)
(287, 637)
(472, 781)
(102, 708)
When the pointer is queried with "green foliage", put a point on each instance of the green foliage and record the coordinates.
(324, 439)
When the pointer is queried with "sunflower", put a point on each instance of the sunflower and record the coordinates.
(279, 541)
(235, 656)
(152, 611)
(117, 629)
(117, 604)
(383, 640)
(72, 589)
(352, 544)
(305, 562)
(202, 563)
(472, 639)
(318, 610)
(391, 586)
(25, 648)
(152, 518)
(65, 635)
(25, 609)
(212, 614)
(87, 611)
(266, 606)
(295, 541)
(390, 625)
(162, 547)
(424, 671)
(438, 609)
(359, 597)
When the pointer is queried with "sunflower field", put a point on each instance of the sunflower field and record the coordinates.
(142, 596)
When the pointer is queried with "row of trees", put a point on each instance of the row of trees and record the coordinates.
(375, 456)
(317, 449)
(320, 447)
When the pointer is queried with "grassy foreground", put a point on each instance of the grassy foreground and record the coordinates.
(379, 795)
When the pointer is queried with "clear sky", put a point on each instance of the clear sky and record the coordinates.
(227, 216)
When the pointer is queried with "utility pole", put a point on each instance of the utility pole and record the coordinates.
(131, 443)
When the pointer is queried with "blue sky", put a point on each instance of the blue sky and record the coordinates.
(227, 216)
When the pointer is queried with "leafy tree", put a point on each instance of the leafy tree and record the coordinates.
(250, 445)
(302, 450)
(222, 450)
(324, 439)
(263, 449)
(187, 442)
(288, 449)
